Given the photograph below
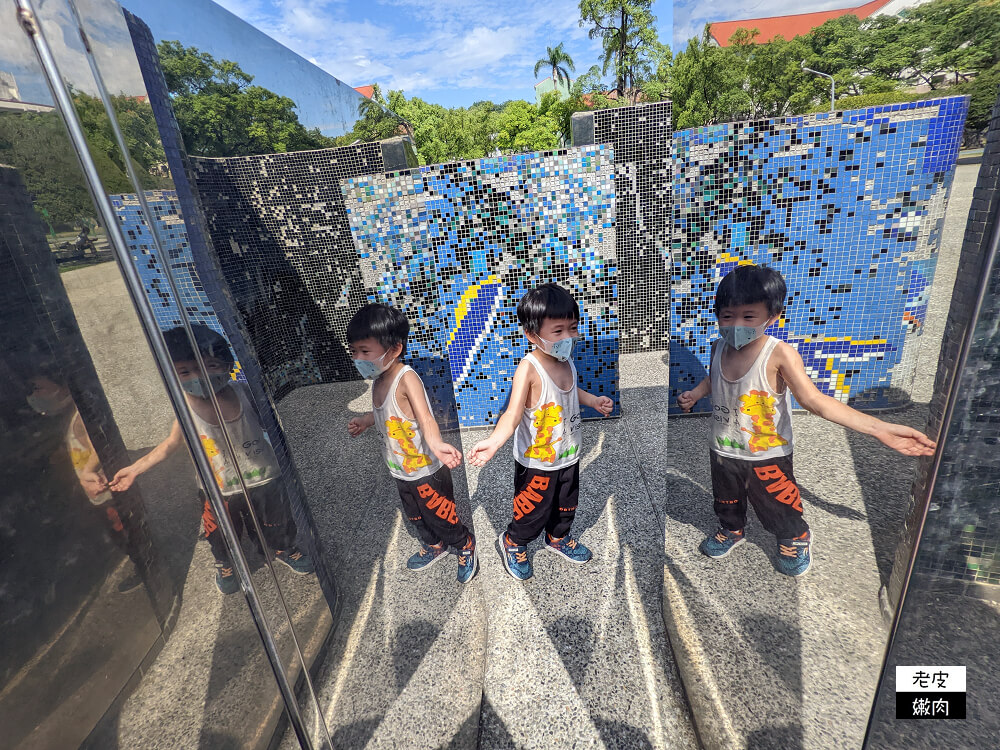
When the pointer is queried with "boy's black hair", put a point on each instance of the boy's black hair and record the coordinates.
(387, 325)
(210, 344)
(748, 285)
(546, 301)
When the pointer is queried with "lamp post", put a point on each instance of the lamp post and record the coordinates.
(825, 75)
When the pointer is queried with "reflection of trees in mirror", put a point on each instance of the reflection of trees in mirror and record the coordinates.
(220, 112)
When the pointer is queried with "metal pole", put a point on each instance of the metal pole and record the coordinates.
(28, 21)
(833, 95)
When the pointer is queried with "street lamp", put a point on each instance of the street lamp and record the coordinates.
(825, 75)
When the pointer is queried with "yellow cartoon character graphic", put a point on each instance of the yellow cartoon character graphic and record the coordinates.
(759, 406)
(547, 418)
(402, 432)
(216, 459)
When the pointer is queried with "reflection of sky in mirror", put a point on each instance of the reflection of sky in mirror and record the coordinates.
(323, 101)
(106, 27)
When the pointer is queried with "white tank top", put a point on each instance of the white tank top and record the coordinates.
(80, 455)
(548, 435)
(403, 447)
(748, 421)
(256, 459)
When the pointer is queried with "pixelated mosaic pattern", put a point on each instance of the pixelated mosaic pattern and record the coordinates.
(849, 206)
(142, 249)
(642, 138)
(455, 246)
(280, 233)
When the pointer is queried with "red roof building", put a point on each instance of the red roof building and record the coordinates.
(789, 27)
(366, 91)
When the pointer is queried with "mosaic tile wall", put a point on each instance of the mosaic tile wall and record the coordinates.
(961, 534)
(642, 140)
(849, 206)
(457, 245)
(280, 234)
(173, 235)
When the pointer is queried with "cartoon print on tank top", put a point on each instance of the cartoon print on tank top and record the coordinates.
(547, 418)
(760, 407)
(402, 432)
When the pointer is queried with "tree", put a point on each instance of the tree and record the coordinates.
(628, 35)
(707, 84)
(220, 112)
(558, 60)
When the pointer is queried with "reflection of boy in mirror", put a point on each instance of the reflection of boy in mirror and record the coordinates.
(50, 397)
(751, 380)
(544, 417)
(412, 448)
(256, 466)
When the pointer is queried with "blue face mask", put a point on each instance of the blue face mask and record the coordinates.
(739, 336)
(369, 369)
(196, 386)
(561, 349)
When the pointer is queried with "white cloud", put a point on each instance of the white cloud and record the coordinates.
(421, 45)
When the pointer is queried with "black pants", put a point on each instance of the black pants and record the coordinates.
(270, 503)
(543, 500)
(429, 503)
(770, 487)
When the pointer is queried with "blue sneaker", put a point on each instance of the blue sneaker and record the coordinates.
(722, 542)
(427, 556)
(569, 548)
(468, 561)
(794, 557)
(515, 558)
(225, 579)
(298, 562)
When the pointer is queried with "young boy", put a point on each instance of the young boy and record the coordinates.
(256, 463)
(544, 417)
(751, 381)
(412, 448)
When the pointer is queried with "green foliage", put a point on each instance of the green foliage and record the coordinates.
(37, 146)
(220, 112)
(947, 46)
(627, 30)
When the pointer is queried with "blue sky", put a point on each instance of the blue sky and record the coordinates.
(451, 52)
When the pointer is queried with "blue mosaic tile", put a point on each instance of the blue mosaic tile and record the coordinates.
(455, 246)
(142, 249)
(848, 206)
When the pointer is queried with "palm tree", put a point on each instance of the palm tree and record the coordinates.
(557, 59)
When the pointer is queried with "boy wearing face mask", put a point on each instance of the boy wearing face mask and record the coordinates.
(412, 448)
(544, 418)
(256, 463)
(751, 380)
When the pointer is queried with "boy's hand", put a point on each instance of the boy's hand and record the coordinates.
(356, 426)
(482, 452)
(93, 483)
(449, 455)
(687, 400)
(905, 439)
(123, 479)
(604, 405)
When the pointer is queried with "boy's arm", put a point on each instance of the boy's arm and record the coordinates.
(484, 450)
(413, 389)
(603, 404)
(124, 478)
(899, 437)
(688, 399)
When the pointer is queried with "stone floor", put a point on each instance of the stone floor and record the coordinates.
(576, 656)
